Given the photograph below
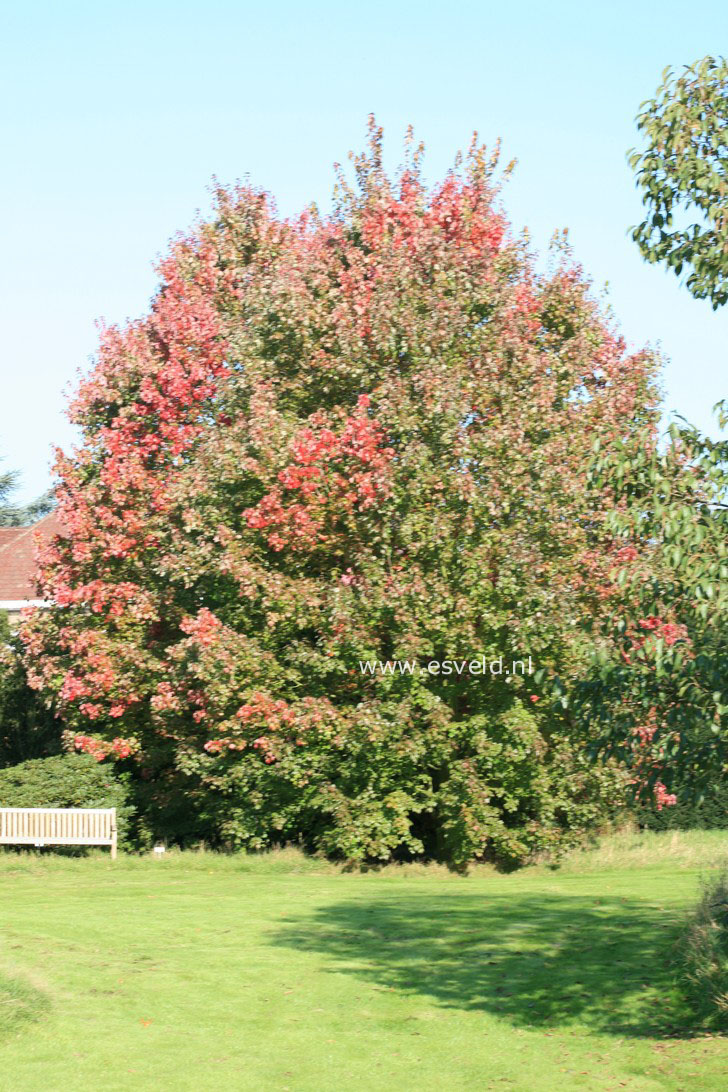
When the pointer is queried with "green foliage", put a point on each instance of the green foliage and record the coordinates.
(492, 789)
(41, 506)
(8, 482)
(656, 694)
(520, 795)
(705, 956)
(13, 516)
(683, 173)
(65, 781)
(28, 729)
(703, 811)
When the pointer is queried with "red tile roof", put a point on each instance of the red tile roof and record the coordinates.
(17, 557)
(7, 534)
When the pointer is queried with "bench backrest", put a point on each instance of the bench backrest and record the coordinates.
(58, 826)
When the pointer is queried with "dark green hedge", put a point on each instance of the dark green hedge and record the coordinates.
(710, 813)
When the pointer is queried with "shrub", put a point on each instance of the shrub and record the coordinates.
(66, 781)
(705, 961)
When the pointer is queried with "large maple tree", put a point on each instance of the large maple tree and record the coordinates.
(338, 438)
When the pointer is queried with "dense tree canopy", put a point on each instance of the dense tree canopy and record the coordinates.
(342, 438)
(657, 694)
(683, 175)
(659, 691)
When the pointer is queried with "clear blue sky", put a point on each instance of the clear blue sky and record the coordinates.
(116, 116)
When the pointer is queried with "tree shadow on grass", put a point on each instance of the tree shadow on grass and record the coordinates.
(607, 964)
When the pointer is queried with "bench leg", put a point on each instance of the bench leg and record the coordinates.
(113, 846)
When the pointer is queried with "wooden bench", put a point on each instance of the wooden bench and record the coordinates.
(58, 827)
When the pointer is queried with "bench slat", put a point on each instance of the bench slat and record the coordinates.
(59, 827)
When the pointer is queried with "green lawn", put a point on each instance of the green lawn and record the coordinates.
(206, 972)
